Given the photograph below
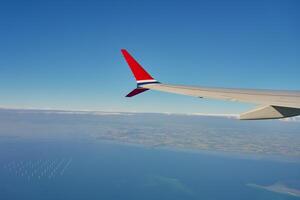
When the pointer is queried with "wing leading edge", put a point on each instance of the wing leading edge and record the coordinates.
(274, 104)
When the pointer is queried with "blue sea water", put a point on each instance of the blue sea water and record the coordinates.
(72, 169)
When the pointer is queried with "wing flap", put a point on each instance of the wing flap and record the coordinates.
(270, 112)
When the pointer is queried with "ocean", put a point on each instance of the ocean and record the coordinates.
(63, 168)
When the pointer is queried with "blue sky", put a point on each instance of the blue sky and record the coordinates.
(66, 54)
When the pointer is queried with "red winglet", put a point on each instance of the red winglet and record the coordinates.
(138, 71)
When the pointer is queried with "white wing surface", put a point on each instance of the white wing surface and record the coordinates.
(273, 104)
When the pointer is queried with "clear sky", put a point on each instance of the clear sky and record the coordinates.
(66, 54)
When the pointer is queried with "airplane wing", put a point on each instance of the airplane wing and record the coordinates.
(273, 104)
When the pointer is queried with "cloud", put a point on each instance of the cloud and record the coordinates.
(64, 112)
(102, 113)
(291, 119)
